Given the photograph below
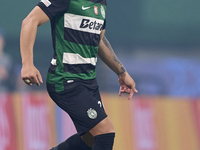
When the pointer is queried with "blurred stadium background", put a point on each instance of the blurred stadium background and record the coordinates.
(158, 43)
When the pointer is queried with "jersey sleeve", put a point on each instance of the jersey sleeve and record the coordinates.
(53, 7)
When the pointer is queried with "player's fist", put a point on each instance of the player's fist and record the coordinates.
(31, 75)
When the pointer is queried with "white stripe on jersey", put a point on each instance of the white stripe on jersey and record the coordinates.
(70, 58)
(91, 25)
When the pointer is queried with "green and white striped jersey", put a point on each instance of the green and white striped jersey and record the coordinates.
(76, 27)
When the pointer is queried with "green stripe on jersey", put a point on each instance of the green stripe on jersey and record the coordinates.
(78, 48)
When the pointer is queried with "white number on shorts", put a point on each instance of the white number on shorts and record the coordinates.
(99, 102)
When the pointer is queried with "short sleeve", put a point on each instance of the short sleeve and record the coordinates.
(53, 7)
(104, 25)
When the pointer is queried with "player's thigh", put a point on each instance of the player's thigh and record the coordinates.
(103, 127)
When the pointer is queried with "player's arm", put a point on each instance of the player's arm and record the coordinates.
(27, 39)
(108, 56)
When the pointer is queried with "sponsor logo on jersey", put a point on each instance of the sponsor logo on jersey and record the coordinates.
(47, 3)
(92, 114)
(93, 25)
(103, 13)
(83, 23)
(96, 10)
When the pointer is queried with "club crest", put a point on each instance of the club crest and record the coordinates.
(92, 114)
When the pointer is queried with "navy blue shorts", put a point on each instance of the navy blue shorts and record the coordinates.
(82, 101)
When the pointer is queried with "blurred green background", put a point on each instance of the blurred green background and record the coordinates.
(132, 22)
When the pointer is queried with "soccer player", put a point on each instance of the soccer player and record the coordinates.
(78, 28)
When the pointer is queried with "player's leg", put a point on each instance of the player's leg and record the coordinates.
(103, 132)
(75, 142)
(83, 103)
(100, 137)
(104, 135)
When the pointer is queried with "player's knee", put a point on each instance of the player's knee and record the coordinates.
(104, 127)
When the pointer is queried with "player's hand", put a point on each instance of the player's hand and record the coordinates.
(127, 85)
(30, 75)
